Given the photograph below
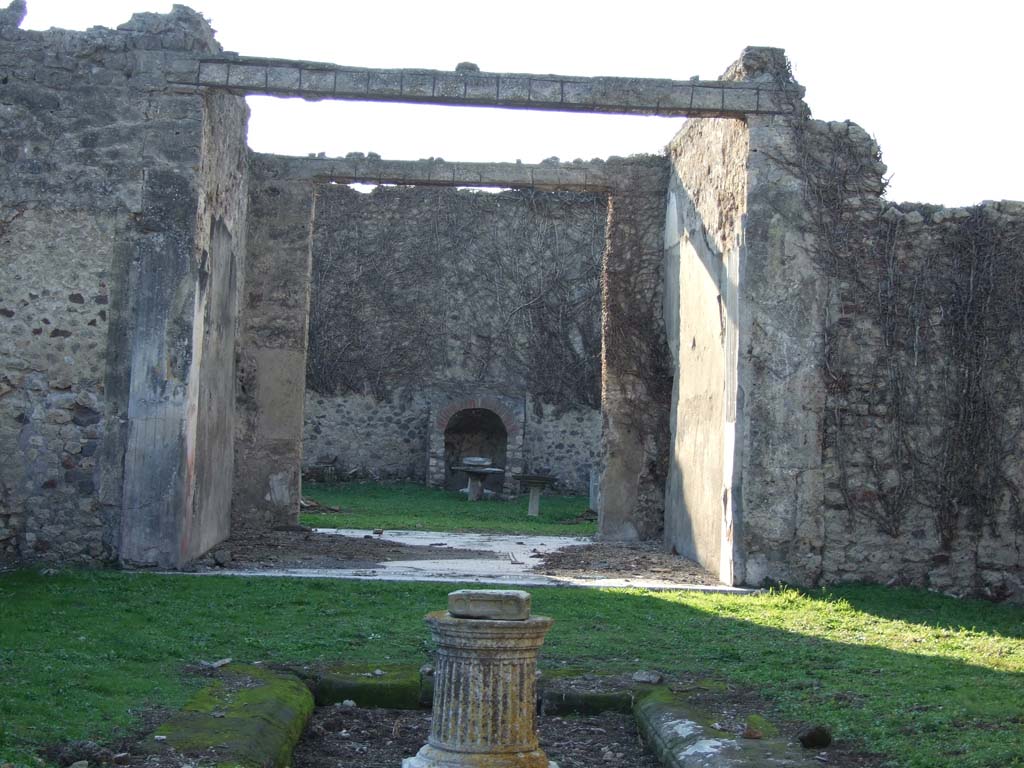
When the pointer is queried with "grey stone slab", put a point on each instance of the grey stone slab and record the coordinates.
(450, 86)
(346, 82)
(494, 604)
(707, 98)
(675, 97)
(317, 80)
(545, 90)
(247, 76)
(286, 78)
(773, 101)
(482, 88)
(213, 73)
(417, 85)
(740, 99)
(385, 83)
(578, 92)
(513, 89)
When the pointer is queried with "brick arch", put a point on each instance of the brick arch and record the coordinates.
(508, 419)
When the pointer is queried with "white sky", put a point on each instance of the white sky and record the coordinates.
(936, 83)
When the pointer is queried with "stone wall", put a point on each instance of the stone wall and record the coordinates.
(565, 444)
(102, 256)
(272, 351)
(877, 391)
(355, 436)
(703, 244)
(636, 380)
(425, 285)
(419, 291)
(923, 343)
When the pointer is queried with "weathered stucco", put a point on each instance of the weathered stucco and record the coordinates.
(272, 351)
(703, 243)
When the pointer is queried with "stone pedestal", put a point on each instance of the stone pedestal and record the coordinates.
(536, 484)
(485, 694)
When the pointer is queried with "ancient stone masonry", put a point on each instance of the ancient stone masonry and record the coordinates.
(798, 380)
(922, 362)
(116, 250)
(632, 453)
(873, 402)
(434, 292)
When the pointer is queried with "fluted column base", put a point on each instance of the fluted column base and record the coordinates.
(434, 757)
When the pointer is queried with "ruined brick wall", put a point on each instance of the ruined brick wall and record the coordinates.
(418, 288)
(100, 266)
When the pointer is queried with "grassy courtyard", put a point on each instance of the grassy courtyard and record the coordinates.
(929, 681)
(412, 507)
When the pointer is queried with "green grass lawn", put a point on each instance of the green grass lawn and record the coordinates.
(932, 682)
(412, 507)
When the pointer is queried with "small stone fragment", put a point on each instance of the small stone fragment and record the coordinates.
(80, 764)
(815, 737)
(215, 664)
(494, 604)
(222, 557)
(648, 676)
(348, 703)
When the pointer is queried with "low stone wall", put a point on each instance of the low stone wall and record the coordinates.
(565, 444)
(358, 436)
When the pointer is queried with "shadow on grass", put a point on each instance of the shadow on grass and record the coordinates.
(80, 651)
(928, 609)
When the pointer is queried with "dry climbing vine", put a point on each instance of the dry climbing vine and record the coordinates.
(413, 285)
(924, 339)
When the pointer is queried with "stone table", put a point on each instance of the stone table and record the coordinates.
(477, 476)
(536, 484)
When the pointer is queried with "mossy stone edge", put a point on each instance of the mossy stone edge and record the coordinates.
(683, 736)
(249, 717)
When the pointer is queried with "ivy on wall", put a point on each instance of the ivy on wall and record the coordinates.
(413, 286)
(924, 338)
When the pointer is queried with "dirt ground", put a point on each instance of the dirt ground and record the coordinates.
(636, 560)
(303, 548)
(380, 738)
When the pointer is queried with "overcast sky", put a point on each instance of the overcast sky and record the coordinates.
(937, 83)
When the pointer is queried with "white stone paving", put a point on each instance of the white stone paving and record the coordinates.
(511, 569)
